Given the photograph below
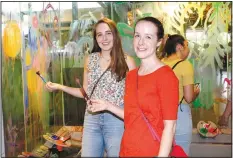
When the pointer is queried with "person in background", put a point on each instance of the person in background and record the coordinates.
(151, 89)
(224, 118)
(176, 49)
(108, 64)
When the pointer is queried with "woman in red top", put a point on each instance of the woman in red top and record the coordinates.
(156, 95)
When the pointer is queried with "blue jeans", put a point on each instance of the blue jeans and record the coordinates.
(102, 132)
(184, 126)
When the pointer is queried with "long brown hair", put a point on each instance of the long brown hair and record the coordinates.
(118, 64)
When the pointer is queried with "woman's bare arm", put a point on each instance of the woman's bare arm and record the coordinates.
(191, 92)
(71, 90)
(167, 138)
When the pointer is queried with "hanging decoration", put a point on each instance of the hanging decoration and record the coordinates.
(12, 39)
(47, 32)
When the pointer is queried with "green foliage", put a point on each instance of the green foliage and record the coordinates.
(12, 98)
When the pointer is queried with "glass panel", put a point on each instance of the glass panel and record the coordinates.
(53, 38)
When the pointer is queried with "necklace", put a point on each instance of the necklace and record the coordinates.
(105, 59)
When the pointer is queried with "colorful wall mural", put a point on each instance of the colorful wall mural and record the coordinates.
(53, 40)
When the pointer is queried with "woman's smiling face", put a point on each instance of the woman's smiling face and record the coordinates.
(145, 39)
(104, 37)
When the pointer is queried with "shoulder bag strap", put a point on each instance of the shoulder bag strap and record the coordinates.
(98, 81)
(153, 133)
(177, 64)
(173, 69)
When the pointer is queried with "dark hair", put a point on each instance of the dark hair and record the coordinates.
(171, 43)
(156, 22)
(118, 64)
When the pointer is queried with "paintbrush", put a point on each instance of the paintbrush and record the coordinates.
(38, 73)
(83, 91)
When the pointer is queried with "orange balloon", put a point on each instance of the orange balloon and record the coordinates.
(12, 39)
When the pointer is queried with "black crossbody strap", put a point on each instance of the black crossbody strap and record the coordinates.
(176, 64)
(98, 81)
(173, 69)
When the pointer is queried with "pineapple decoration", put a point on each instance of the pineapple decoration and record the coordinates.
(12, 39)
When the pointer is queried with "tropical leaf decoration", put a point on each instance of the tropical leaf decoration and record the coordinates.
(212, 18)
(213, 48)
(181, 15)
(214, 23)
(158, 10)
(120, 9)
(125, 30)
(208, 53)
(146, 14)
(216, 48)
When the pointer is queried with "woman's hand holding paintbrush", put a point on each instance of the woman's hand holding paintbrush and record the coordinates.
(49, 85)
(53, 86)
(77, 92)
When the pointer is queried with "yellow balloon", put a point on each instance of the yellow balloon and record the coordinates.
(12, 39)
